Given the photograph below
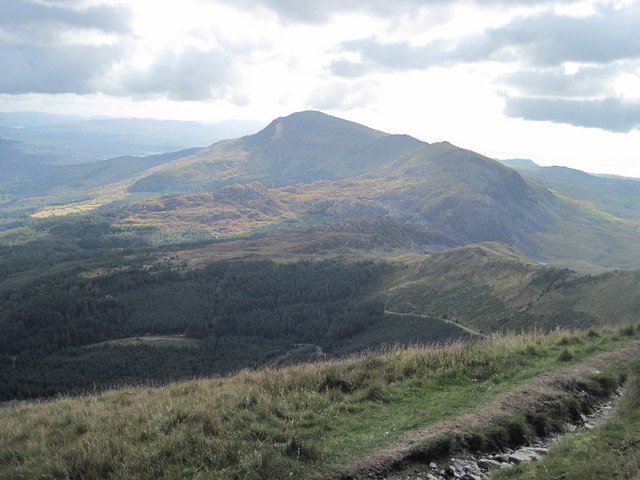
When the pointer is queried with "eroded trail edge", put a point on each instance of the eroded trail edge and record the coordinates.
(540, 394)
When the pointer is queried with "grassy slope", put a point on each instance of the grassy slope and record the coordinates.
(608, 452)
(487, 287)
(620, 197)
(491, 287)
(301, 421)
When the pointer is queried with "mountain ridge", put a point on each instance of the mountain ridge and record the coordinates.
(315, 168)
(302, 147)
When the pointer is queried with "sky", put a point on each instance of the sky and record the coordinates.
(557, 82)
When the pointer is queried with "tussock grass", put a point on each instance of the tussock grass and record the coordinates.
(269, 424)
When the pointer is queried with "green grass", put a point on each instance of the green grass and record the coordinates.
(611, 451)
(295, 422)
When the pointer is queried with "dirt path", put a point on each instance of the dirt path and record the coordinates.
(462, 327)
(544, 389)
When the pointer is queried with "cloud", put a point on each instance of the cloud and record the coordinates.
(318, 12)
(395, 56)
(550, 40)
(36, 53)
(30, 21)
(341, 96)
(586, 82)
(609, 114)
(191, 74)
(543, 40)
(54, 69)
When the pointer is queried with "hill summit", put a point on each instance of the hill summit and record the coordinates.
(300, 148)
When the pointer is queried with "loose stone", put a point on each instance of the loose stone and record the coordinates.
(488, 464)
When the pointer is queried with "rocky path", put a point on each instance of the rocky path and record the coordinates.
(480, 466)
(395, 462)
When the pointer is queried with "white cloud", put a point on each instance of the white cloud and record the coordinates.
(557, 82)
(190, 74)
(608, 114)
(436, 69)
(342, 96)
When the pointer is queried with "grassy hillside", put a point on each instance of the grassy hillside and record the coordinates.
(303, 421)
(490, 287)
(335, 289)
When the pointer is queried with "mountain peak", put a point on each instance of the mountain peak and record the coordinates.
(313, 125)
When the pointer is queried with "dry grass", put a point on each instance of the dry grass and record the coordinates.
(266, 424)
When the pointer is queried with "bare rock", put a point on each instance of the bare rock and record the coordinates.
(488, 464)
(523, 455)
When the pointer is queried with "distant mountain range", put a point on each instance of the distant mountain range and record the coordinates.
(310, 169)
(618, 196)
(71, 139)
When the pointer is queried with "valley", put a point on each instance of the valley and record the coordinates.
(392, 241)
(286, 301)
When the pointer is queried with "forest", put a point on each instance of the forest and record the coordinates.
(71, 288)
(238, 314)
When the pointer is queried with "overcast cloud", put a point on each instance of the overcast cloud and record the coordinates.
(460, 70)
(30, 21)
(608, 114)
(318, 12)
(586, 82)
(55, 69)
(191, 74)
(542, 40)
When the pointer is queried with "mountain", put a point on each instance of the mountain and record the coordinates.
(313, 239)
(466, 195)
(310, 169)
(313, 235)
(459, 193)
(303, 147)
(617, 196)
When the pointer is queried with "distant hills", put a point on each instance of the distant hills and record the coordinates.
(311, 169)
(314, 234)
(72, 139)
(316, 168)
(618, 196)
